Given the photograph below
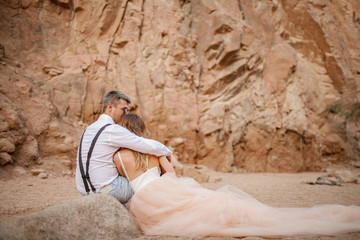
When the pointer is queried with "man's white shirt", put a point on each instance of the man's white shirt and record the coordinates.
(102, 170)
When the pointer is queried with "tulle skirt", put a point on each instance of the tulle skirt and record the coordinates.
(182, 207)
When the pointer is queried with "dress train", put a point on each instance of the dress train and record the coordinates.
(182, 207)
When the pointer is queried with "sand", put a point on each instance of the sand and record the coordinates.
(27, 194)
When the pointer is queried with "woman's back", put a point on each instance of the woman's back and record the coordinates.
(128, 158)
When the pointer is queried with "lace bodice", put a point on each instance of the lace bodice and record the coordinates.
(145, 178)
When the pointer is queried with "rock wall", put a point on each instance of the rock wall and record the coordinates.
(229, 84)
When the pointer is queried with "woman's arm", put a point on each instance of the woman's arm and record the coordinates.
(166, 165)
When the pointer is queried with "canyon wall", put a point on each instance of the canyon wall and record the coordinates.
(231, 84)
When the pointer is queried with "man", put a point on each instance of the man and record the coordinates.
(102, 171)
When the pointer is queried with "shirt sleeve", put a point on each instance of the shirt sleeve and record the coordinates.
(121, 137)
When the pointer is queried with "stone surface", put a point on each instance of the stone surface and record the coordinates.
(37, 171)
(66, 163)
(5, 158)
(6, 146)
(91, 217)
(18, 170)
(43, 175)
(230, 85)
(199, 173)
(345, 175)
(356, 164)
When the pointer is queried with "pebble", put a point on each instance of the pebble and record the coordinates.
(43, 175)
(37, 171)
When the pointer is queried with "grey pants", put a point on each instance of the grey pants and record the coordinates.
(121, 189)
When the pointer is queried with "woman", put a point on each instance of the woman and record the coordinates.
(168, 205)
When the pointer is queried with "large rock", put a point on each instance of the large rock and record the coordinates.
(5, 158)
(199, 173)
(92, 217)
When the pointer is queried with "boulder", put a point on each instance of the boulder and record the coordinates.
(5, 158)
(6, 146)
(199, 173)
(91, 217)
(345, 175)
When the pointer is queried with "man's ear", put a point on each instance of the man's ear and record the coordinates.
(110, 107)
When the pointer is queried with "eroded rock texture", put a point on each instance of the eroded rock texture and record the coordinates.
(229, 84)
(92, 217)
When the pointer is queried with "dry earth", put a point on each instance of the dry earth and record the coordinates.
(26, 194)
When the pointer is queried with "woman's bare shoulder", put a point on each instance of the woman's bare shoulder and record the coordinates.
(127, 153)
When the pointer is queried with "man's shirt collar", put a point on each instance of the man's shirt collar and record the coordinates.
(106, 118)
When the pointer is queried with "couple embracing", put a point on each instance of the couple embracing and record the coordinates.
(114, 158)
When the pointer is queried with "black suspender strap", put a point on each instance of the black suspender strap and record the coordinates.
(85, 175)
(90, 153)
(82, 167)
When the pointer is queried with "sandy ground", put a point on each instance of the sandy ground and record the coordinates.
(26, 194)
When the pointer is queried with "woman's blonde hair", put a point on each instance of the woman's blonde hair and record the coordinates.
(135, 124)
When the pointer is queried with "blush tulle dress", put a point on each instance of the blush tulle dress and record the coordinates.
(168, 205)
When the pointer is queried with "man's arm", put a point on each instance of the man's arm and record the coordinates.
(121, 137)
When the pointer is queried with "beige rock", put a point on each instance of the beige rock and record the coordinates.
(6, 145)
(199, 173)
(26, 3)
(280, 64)
(53, 71)
(4, 127)
(66, 163)
(18, 171)
(328, 180)
(11, 116)
(68, 173)
(29, 151)
(356, 164)
(37, 171)
(109, 220)
(43, 175)
(5, 158)
(39, 161)
(345, 175)
(231, 85)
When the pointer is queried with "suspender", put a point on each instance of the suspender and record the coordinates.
(85, 176)
(123, 167)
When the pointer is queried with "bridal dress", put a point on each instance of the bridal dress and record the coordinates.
(168, 205)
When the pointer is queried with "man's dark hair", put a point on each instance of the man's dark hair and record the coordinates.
(114, 97)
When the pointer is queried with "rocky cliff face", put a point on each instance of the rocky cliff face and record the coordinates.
(229, 84)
